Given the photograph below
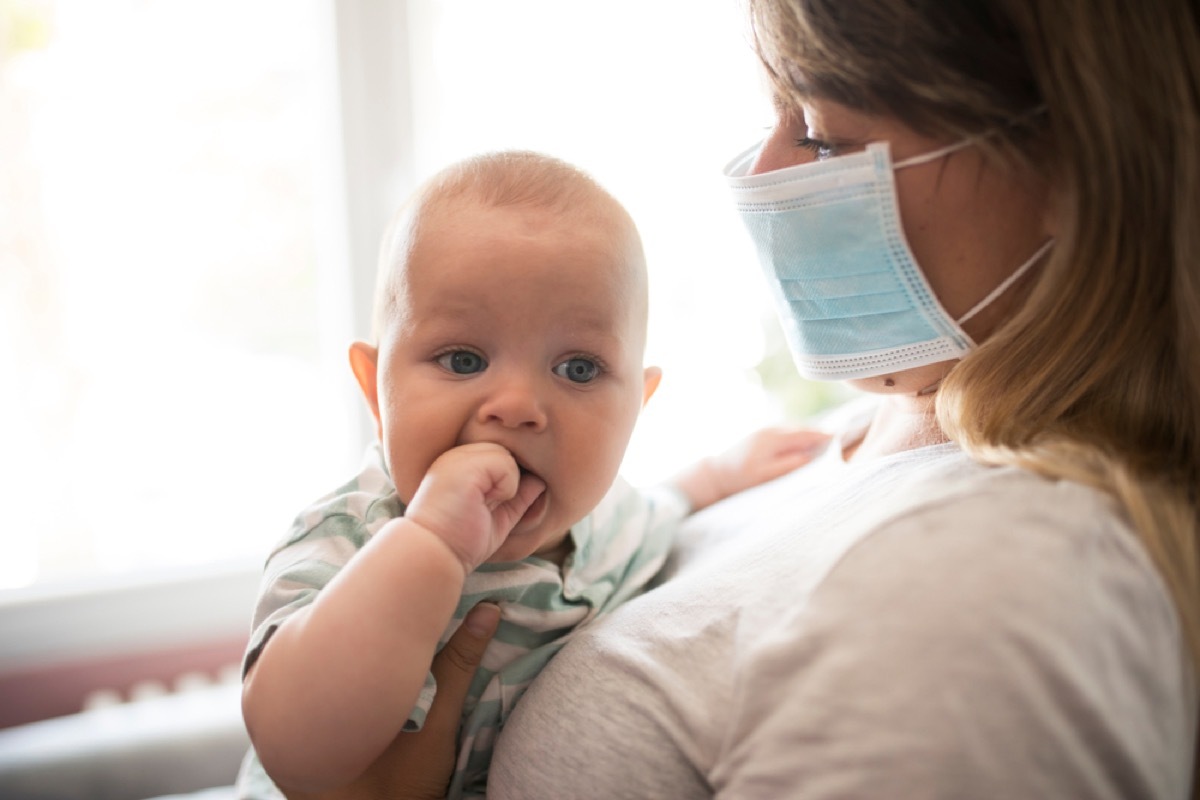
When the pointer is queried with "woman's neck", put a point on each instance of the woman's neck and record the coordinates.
(900, 422)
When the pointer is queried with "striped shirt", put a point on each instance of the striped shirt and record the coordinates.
(618, 549)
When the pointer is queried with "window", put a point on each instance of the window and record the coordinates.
(160, 282)
(191, 197)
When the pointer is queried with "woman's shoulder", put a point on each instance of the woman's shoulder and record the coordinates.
(1012, 625)
(965, 505)
(1010, 542)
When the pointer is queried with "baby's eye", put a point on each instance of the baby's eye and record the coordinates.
(462, 362)
(578, 370)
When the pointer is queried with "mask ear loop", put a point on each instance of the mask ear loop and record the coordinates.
(1007, 282)
(999, 290)
(1021, 270)
(933, 155)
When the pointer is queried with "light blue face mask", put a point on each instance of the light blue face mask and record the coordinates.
(852, 300)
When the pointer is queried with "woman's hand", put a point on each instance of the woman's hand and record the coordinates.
(418, 766)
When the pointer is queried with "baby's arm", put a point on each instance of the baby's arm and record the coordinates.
(335, 683)
(762, 456)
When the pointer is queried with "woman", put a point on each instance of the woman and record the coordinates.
(990, 586)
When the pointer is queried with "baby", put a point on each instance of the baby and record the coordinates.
(506, 378)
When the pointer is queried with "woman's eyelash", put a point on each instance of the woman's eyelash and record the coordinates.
(816, 146)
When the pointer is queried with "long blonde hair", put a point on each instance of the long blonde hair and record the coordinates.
(1097, 378)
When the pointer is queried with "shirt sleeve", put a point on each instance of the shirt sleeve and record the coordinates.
(297, 571)
(934, 663)
(629, 537)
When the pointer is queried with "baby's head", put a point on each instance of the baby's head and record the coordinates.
(511, 308)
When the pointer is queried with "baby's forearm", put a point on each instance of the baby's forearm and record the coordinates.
(700, 484)
(338, 679)
(762, 456)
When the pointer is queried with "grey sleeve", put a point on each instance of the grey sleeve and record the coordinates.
(952, 656)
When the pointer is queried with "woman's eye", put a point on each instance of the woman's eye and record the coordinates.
(822, 150)
(578, 370)
(462, 362)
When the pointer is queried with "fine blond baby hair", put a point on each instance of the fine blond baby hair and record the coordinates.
(501, 179)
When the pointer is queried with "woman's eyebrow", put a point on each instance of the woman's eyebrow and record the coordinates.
(786, 106)
(781, 104)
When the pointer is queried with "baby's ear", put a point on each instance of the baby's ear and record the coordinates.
(650, 380)
(364, 359)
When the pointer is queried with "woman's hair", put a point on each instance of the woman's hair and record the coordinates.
(1097, 378)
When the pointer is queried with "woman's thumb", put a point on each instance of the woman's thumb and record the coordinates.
(455, 665)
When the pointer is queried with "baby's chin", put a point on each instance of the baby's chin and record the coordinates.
(541, 531)
(520, 545)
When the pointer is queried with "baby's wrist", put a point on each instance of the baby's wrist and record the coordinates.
(700, 484)
(439, 544)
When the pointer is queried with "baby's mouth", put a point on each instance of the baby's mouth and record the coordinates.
(537, 507)
(524, 470)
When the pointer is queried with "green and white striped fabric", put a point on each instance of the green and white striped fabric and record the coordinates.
(619, 548)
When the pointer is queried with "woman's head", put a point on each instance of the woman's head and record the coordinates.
(889, 252)
(1096, 373)
(1097, 96)
(923, 80)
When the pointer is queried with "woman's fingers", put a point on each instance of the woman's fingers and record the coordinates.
(418, 766)
(455, 665)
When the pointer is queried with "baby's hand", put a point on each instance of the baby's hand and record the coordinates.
(472, 497)
(760, 457)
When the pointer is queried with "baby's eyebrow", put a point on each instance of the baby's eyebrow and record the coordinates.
(437, 322)
(586, 322)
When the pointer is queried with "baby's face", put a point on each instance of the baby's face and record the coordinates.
(521, 327)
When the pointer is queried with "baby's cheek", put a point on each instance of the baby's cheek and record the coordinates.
(407, 477)
(593, 489)
(411, 451)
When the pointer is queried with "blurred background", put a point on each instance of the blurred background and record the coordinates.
(191, 198)
(192, 194)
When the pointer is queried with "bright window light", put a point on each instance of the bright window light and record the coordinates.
(172, 322)
(166, 398)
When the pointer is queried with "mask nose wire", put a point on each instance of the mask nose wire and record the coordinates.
(1007, 282)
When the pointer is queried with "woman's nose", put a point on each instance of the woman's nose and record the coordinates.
(774, 154)
(779, 149)
(514, 402)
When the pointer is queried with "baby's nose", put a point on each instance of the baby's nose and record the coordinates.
(515, 403)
